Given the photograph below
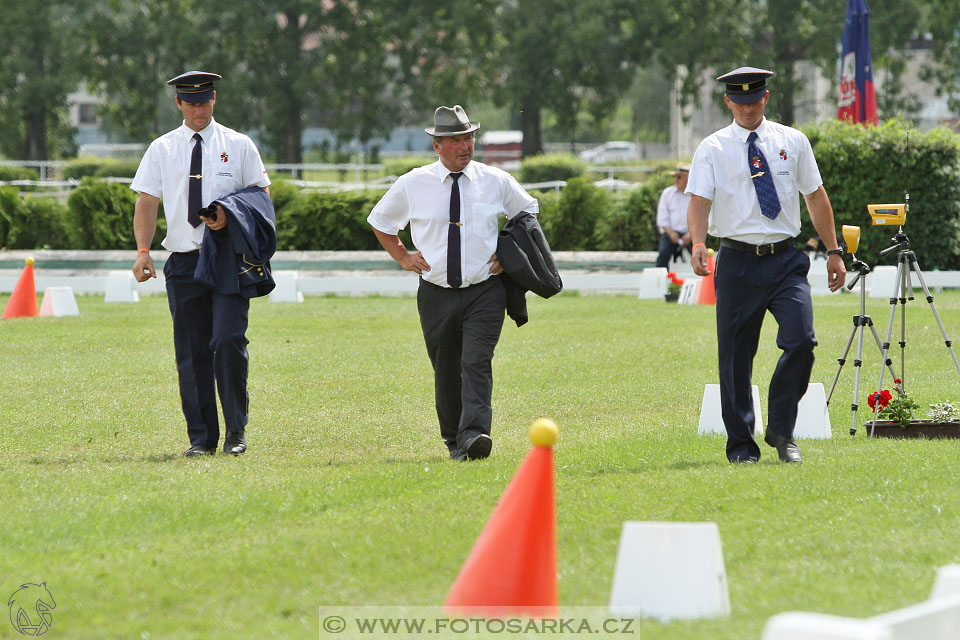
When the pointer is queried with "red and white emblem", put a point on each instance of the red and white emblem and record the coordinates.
(783, 154)
(224, 157)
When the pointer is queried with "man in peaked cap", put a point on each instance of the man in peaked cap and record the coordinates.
(745, 181)
(452, 207)
(188, 168)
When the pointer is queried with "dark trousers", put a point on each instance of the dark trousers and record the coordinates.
(747, 287)
(667, 249)
(209, 339)
(461, 328)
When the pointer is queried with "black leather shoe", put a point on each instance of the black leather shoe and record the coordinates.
(234, 443)
(199, 450)
(786, 448)
(747, 460)
(478, 447)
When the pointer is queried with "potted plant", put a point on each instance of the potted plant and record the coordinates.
(673, 287)
(895, 417)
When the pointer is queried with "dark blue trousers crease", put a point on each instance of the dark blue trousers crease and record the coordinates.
(210, 343)
(748, 286)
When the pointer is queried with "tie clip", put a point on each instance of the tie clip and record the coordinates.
(757, 175)
(197, 176)
(459, 224)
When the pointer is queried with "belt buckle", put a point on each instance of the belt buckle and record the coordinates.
(766, 249)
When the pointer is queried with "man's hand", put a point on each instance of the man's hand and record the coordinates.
(836, 272)
(495, 267)
(698, 260)
(219, 223)
(143, 268)
(414, 261)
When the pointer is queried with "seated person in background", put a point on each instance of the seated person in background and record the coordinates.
(672, 217)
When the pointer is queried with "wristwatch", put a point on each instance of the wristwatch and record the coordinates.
(835, 252)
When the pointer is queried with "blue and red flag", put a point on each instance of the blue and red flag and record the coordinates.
(856, 98)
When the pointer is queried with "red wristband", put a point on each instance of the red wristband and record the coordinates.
(699, 244)
(139, 251)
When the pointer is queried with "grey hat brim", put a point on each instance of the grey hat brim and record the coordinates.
(450, 131)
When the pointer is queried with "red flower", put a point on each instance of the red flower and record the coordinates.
(885, 398)
(672, 275)
(897, 381)
(678, 282)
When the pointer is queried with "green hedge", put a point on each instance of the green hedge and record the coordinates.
(551, 166)
(94, 167)
(100, 215)
(877, 165)
(631, 223)
(328, 221)
(399, 166)
(31, 223)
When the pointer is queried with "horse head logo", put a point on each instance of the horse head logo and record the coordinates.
(30, 607)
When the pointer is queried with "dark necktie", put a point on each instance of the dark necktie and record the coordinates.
(454, 275)
(194, 195)
(762, 178)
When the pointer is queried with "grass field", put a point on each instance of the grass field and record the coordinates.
(346, 496)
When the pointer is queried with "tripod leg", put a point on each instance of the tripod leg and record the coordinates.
(843, 359)
(856, 379)
(885, 347)
(933, 307)
(888, 362)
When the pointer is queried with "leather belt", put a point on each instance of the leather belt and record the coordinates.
(195, 252)
(758, 249)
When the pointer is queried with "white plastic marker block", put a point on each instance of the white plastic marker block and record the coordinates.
(937, 619)
(947, 582)
(882, 282)
(819, 626)
(670, 570)
(653, 283)
(813, 419)
(711, 419)
(286, 289)
(121, 287)
(689, 291)
(58, 301)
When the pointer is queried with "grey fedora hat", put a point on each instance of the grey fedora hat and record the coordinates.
(451, 122)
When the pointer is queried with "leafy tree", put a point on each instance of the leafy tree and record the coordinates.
(38, 70)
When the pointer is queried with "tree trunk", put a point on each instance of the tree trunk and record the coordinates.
(291, 150)
(35, 144)
(530, 125)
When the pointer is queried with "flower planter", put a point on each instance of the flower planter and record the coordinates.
(917, 429)
(671, 297)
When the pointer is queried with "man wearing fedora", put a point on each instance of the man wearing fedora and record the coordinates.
(745, 185)
(672, 216)
(453, 206)
(188, 168)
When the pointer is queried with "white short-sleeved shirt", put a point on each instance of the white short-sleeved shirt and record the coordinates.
(672, 210)
(231, 162)
(422, 199)
(720, 172)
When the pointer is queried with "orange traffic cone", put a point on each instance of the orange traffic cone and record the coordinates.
(512, 569)
(708, 294)
(23, 300)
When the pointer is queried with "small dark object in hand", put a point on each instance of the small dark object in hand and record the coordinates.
(208, 212)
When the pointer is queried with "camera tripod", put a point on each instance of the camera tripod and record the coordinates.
(859, 322)
(903, 284)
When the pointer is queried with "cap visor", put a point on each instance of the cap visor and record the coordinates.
(747, 98)
(196, 98)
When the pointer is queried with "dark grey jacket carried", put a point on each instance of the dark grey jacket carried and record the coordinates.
(528, 265)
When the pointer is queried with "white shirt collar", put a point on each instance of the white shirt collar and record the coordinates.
(442, 172)
(742, 134)
(205, 133)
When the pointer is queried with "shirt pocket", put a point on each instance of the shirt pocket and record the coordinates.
(783, 164)
(484, 219)
(224, 180)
